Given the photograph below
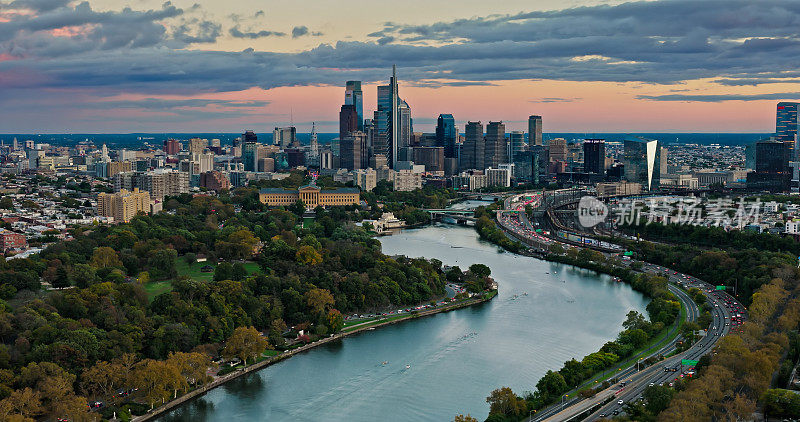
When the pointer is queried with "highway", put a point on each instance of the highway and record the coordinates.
(632, 380)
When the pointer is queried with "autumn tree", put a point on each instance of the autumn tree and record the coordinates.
(191, 366)
(103, 379)
(244, 343)
(462, 418)
(105, 257)
(157, 381)
(318, 300)
(307, 255)
(335, 320)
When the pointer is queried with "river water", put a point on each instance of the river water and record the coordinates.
(456, 358)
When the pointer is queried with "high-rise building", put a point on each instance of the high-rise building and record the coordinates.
(124, 205)
(516, 143)
(496, 150)
(314, 143)
(394, 121)
(366, 179)
(348, 120)
(641, 158)
(446, 134)
(557, 148)
(431, 157)
(285, 137)
(405, 129)
(773, 172)
(172, 147)
(472, 152)
(197, 145)
(250, 151)
(534, 130)
(214, 180)
(594, 156)
(352, 149)
(786, 123)
(663, 161)
(353, 96)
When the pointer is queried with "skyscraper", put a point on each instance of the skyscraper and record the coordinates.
(393, 118)
(516, 142)
(641, 158)
(314, 142)
(772, 167)
(472, 153)
(172, 147)
(594, 156)
(534, 130)
(352, 149)
(405, 129)
(250, 151)
(348, 120)
(786, 122)
(355, 97)
(285, 137)
(495, 149)
(389, 122)
(446, 134)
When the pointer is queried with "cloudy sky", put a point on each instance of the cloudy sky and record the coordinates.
(213, 66)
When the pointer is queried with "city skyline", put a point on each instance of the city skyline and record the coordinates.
(69, 67)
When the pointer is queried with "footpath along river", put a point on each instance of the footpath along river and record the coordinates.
(456, 358)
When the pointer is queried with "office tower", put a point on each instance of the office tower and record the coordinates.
(406, 128)
(786, 122)
(124, 205)
(285, 137)
(446, 134)
(534, 130)
(750, 157)
(472, 153)
(348, 120)
(215, 143)
(351, 150)
(393, 118)
(172, 147)
(495, 149)
(380, 142)
(773, 172)
(594, 156)
(197, 145)
(557, 149)
(431, 157)
(516, 142)
(353, 96)
(295, 157)
(641, 158)
(663, 168)
(250, 151)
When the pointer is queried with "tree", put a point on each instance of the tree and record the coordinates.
(318, 300)
(335, 320)
(105, 257)
(191, 366)
(224, 271)
(25, 403)
(503, 401)
(307, 255)
(657, 398)
(298, 208)
(244, 343)
(102, 379)
(157, 381)
(480, 270)
(190, 258)
(462, 418)
(551, 385)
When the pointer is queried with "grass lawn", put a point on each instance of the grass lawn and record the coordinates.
(155, 288)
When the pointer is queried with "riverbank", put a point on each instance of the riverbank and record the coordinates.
(475, 300)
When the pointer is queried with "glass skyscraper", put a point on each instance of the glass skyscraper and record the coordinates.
(534, 130)
(641, 159)
(786, 126)
(446, 134)
(594, 156)
(355, 97)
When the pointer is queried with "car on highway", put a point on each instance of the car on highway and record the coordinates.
(620, 402)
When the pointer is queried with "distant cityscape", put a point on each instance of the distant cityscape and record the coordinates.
(480, 156)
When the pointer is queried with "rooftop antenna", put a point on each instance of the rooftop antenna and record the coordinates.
(291, 116)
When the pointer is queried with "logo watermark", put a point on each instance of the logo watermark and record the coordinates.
(591, 211)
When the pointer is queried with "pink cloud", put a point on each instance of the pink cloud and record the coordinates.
(72, 31)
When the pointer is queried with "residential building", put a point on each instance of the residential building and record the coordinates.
(12, 241)
(197, 145)
(366, 179)
(471, 180)
(407, 180)
(123, 205)
(498, 177)
(214, 180)
(163, 182)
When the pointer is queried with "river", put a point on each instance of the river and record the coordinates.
(456, 358)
